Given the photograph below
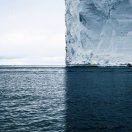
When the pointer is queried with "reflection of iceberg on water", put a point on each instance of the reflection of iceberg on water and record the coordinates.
(99, 32)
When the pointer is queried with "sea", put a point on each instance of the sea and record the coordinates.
(65, 99)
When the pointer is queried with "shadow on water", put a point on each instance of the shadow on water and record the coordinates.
(98, 99)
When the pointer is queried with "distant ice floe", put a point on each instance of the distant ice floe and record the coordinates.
(99, 32)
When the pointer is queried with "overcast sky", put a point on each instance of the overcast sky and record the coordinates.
(32, 32)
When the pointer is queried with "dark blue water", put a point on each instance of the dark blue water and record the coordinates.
(65, 99)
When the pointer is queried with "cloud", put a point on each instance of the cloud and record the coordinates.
(32, 29)
(32, 43)
(32, 61)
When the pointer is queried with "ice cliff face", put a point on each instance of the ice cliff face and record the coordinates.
(98, 32)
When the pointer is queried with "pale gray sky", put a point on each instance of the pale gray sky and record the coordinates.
(32, 32)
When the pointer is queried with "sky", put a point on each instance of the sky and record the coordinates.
(32, 32)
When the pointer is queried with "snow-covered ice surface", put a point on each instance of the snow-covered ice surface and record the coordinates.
(99, 32)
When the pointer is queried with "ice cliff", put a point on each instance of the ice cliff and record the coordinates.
(99, 32)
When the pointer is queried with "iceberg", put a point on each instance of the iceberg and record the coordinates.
(99, 32)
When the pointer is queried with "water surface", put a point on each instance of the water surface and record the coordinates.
(57, 99)
(32, 99)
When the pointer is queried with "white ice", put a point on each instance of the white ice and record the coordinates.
(99, 32)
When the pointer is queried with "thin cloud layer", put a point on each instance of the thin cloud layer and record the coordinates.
(32, 31)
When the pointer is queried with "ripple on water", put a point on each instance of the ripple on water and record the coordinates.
(32, 101)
